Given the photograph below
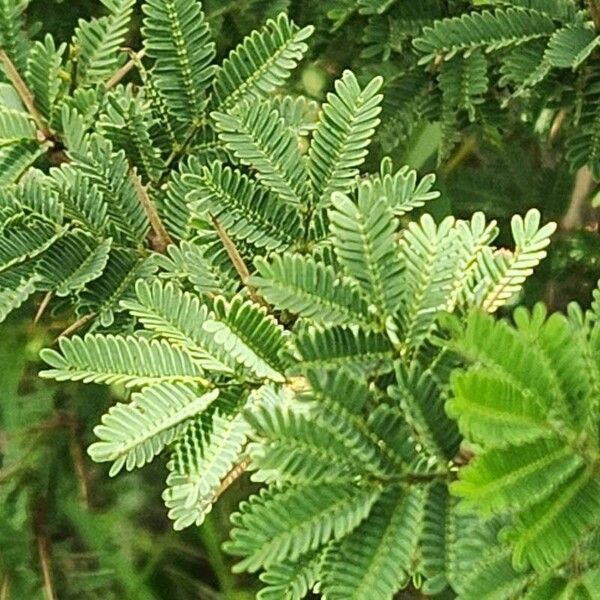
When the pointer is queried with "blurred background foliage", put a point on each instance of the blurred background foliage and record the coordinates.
(63, 535)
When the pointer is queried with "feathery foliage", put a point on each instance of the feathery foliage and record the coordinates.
(440, 63)
(268, 307)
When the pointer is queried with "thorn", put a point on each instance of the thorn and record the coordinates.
(162, 239)
(43, 306)
(26, 96)
(74, 327)
(118, 75)
(238, 261)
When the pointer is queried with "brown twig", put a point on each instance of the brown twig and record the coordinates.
(43, 306)
(161, 239)
(74, 327)
(238, 262)
(118, 75)
(42, 544)
(594, 13)
(44, 554)
(234, 474)
(557, 123)
(232, 251)
(25, 95)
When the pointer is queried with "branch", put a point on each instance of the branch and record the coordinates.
(595, 13)
(42, 544)
(232, 251)
(557, 123)
(74, 327)
(237, 260)
(43, 306)
(25, 95)
(161, 236)
(234, 474)
(118, 75)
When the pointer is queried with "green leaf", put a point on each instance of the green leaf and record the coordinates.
(259, 138)
(375, 560)
(502, 274)
(364, 244)
(291, 580)
(132, 434)
(245, 209)
(179, 318)
(15, 126)
(516, 477)
(97, 42)
(309, 289)
(74, 260)
(547, 533)
(26, 239)
(177, 35)
(337, 346)
(13, 39)
(132, 361)
(251, 337)
(571, 46)
(205, 459)
(402, 190)
(127, 123)
(492, 408)
(346, 126)
(280, 524)
(16, 286)
(44, 64)
(260, 64)
(487, 30)
(102, 296)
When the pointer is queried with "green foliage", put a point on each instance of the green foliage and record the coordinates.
(485, 30)
(178, 38)
(264, 295)
(536, 430)
(96, 43)
(117, 147)
(440, 62)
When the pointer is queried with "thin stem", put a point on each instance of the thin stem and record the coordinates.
(465, 150)
(238, 262)
(44, 554)
(236, 472)
(175, 154)
(224, 9)
(25, 95)
(75, 326)
(124, 70)
(411, 477)
(43, 306)
(211, 542)
(161, 239)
